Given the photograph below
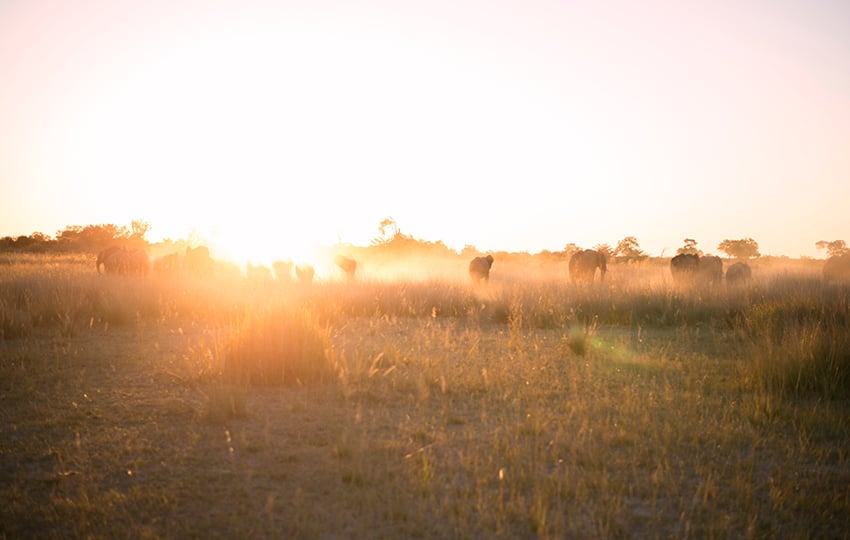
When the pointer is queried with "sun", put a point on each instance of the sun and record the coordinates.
(254, 147)
(242, 243)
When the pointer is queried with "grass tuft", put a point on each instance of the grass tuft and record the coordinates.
(790, 357)
(278, 345)
(798, 336)
(225, 402)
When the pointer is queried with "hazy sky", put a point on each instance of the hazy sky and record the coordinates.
(507, 125)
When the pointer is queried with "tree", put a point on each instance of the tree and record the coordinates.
(36, 242)
(629, 249)
(744, 248)
(70, 234)
(389, 232)
(689, 247)
(569, 249)
(836, 248)
(604, 249)
(138, 229)
(469, 251)
(91, 237)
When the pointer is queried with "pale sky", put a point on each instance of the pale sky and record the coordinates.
(508, 125)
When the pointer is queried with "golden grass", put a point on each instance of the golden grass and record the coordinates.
(527, 409)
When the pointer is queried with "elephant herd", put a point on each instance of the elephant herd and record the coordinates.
(686, 269)
(304, 273)
(197, 262)
(582, 267)
(283, 271)
(136, 262)
(691, 269)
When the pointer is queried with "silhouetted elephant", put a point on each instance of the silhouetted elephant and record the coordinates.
(282, 271)
(140, 263)
(738, 274)
(105, 255)
(837, 269)
(116, 260)
(347, 265)
(304, 273)
(583, 265)
(198, 261)
(710, 270)
(258, 272)
(479, 269)
(684, 267)
(167, 264)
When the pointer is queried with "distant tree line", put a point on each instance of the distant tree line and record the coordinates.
(391, 242)
(745, 248)
(77, 238)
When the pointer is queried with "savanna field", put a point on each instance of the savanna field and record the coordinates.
(411, 404)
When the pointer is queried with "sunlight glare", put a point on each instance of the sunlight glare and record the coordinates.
(242, 246)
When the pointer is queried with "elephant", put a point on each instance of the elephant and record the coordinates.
(710, 270)
(198, 261)
(684, 267)
(117, 260)
(167, 264)
(583, 265)
(837, 269)
(347, 265)
(282, 271)
(304, 273)
(258, 272)
(738, 274)
(479, 269)
(691, 269)
(105, 255)
(140, 262)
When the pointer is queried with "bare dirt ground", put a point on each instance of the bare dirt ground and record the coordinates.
(116, 432)
(113, 428)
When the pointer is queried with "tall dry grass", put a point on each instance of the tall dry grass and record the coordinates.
(788, 329)
(797, 341)
(529, 408)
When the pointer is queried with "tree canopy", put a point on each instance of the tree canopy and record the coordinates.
(689, 247)
(628, 249)
(393, 242)
(836, 248)
(604, 249)
(80, 238)
(745, 248)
